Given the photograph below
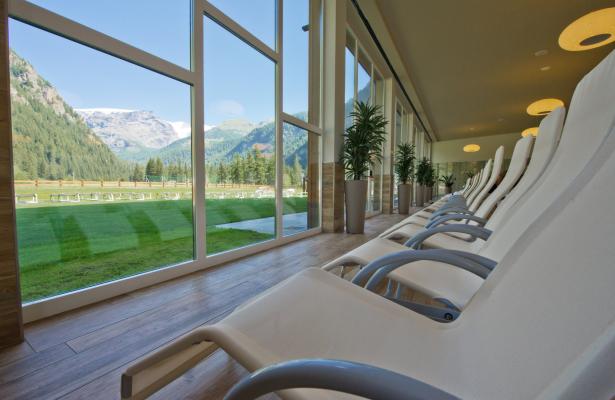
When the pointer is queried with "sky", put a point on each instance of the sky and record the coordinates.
(239, 81)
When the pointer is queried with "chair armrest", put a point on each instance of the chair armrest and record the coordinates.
(404, 257)
(476, 232)
(342, 376)
(450, 210)
(448, 217)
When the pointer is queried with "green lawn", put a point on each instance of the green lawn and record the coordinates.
(71, 247)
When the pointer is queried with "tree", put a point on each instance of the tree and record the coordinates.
(237, 170)
(137, 173)
(222, 173)
(150, 168)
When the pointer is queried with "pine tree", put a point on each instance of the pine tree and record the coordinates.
(137, 173)
(222, 173)
(297, 172)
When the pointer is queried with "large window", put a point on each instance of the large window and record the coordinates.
(161, 27)
(256, 16)
(102, 165)
(296, 39)
(164, 138)
(240, 147)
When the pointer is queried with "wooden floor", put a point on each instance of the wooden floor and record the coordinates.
(81, 354)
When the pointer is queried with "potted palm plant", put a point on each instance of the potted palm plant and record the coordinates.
(430, 181)
(422, 177)
(362, 148)
(448, 181)
(404, 169)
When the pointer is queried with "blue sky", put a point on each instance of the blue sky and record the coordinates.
(239, 81)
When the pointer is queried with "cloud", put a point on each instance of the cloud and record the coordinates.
(229, 108)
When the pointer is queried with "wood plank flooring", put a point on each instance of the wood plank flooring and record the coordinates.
(81, 354)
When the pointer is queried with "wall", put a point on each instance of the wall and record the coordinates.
(452, 150)
(11, 331)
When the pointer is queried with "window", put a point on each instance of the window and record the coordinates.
(163, 142)
(240, 142)
(161, 27)
(296, 39)
(364, 80)
(349, 87)
(102, 165)
(301, 190)
(256, 16)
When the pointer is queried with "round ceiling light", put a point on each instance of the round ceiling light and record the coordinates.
(544, 106)
(471, 148)
(590, 31)
(530, 131)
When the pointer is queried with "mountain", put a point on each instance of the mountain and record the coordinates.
(50, 139)
(130, 131)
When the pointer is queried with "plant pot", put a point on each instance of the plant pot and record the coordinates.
(426, 194)
(448, 189)
(419, 196)
(356, 197)
(405, 196)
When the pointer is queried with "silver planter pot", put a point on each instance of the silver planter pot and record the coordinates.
(405, 197)
(356, 197)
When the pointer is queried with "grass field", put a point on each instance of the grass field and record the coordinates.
(71, 247)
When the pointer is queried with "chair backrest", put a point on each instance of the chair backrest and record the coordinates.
(575, 150)
(549, 133)
(498, 161)
(550, 303)
(551, 300)
(517, 165)
(476, 181)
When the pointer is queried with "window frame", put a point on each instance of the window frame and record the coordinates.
(47, 20)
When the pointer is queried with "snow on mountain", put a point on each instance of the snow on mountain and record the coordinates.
(120, 129)
(183, 129)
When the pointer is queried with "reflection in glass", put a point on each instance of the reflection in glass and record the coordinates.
(103, 180)
(301, 189)
(161, 27)
(239, 141)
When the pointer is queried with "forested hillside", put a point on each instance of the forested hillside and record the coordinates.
(50, 140)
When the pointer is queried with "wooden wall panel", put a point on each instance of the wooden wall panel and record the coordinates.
(11, 329)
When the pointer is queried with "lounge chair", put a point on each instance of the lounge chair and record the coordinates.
(542, 326)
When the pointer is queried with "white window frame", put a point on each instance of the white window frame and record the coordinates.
(40, 17)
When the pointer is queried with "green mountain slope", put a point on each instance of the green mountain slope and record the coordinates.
(50, 140)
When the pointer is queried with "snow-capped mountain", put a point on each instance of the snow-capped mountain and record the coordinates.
(120, 129)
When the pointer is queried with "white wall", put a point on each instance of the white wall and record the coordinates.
(452, 150)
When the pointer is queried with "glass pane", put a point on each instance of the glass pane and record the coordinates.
(363, 84)
(296, 57)
(160, 27)
(256, 16)
(349, 87)
(239, 141)
(301, 189)
(102, 165)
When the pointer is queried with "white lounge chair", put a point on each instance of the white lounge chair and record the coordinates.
(590, 111)
(382, 246)
(541, 327)
(479, 217)
(487, 178)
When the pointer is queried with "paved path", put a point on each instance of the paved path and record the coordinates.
(292, 223)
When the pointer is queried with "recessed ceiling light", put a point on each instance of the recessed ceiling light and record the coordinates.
(545, 68)
(471, 148)
(544, 106)
(541, 53)
(530, 131)
(590, 31)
